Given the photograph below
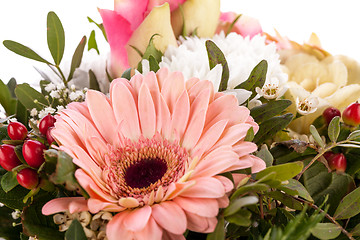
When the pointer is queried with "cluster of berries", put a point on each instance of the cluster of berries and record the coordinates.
(32, 151)
(351, 117)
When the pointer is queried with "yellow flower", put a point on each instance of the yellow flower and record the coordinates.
(326, 78)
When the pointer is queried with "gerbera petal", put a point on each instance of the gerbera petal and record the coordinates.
(125, 109)
(137, 219)
(206, 187)
(201, 224)
(98, 102)
(147, 114)
(163, 214)
(200, 206)
(78, 204)
(172, 89)
(151, 229)
(115, 229)
(180, 116)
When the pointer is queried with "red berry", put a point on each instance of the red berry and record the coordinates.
(329, 155)
(28, 178)
(330, 113)
(17, 131)
(50, 138)
(337, 162)
(33, 153)
(45, 123)
(8, 158)
(351, 115)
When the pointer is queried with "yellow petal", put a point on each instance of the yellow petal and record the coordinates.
(201, 16)
(157, 22)
(345, 96)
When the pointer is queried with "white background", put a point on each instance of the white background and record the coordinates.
(335, 22)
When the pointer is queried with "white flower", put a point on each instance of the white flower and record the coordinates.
(272, 89)
(16, 214)
(60, 86)
(46, 111)
(33, 112)
(55, 94)
(73, 87)
(59, 108)
(242, 55)
(1, 204)
(307, 105)
(73, 96)
(50, 87)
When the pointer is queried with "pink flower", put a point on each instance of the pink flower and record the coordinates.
(133, 23)
(152, 153)
(245, 25)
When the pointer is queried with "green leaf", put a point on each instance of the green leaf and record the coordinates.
(354, 135)
(14, 198)
(349, 205)
(77, 56)
(250, 135)
(3, 133)
(6, 99)
(326, 231)
(127, 74)
(27, 95)
(22, 114)
(35, 223)
(75, 231)
(55, 37)
(319, 183)
(11, 86)
(271, 126)
(9, 181)
(265, 155)
(152, 51)
(253, 187)
(283, 172)
(285, 199)
(216, 56)
(334, 129)
(23, 51)
(92, 42)
(356, 230)
(237, 204)
(219, 232)
(65, 169)
(94, 84)
(154, 65)
(299, 188)
(316, 136)
(99, 25)
(256, 79)
(232, 24)
(241, 218)
(269, 110)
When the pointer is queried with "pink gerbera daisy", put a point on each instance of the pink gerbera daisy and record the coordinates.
(152, 153)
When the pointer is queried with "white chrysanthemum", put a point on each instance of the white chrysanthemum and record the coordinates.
(242, 55)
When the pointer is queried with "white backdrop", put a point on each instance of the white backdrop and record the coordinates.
(335, 22)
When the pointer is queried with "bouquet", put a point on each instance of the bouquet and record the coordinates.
(196, 124)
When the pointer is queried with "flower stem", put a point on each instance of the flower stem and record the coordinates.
(329, 217)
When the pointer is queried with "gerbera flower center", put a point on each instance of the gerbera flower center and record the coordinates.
(145, 172)
(138, 168)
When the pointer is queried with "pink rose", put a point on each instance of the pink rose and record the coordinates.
(133, 23)
(245, 25)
